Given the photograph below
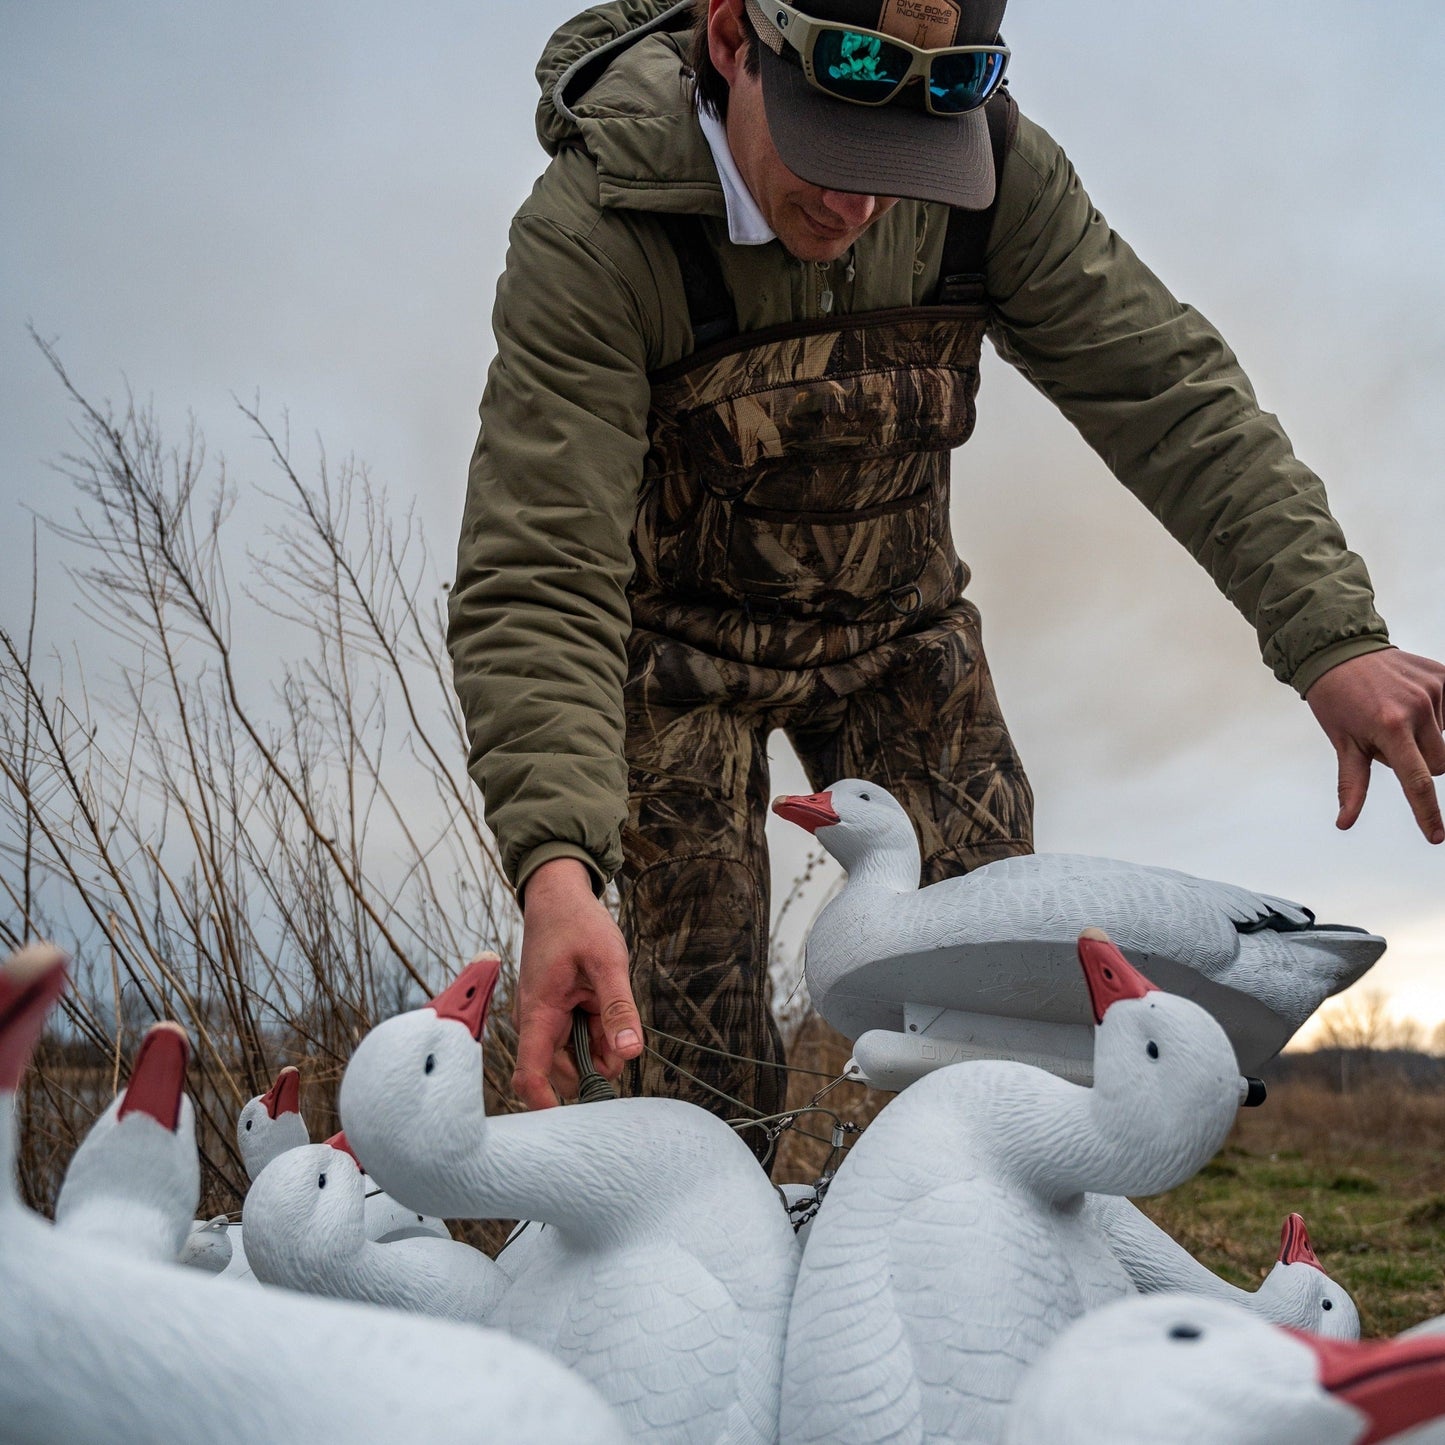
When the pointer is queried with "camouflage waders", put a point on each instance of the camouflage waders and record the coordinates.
(795, 570)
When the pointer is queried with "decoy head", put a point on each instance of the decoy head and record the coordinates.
(271, 1123)
(304, 1215)
(411, 1097)
(1298, 1292)
(1182, 1367)
(31, 980)
(862, 825)
(139, 1162)
(1166, 1083)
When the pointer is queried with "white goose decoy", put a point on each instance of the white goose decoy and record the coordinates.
(111, 1350)
(952, 1245)
(1296, 1292)
(271, 1123)
(1178, 1368)
(268, 1126)
(664, 1272)
(982, 966)
(135, 1179)
(305, 1221)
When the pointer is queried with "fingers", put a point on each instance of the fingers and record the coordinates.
(1415, 778)
(1354, 781)
(541, 1033)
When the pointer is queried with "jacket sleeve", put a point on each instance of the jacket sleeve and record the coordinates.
(538, 613)
(1157, 393)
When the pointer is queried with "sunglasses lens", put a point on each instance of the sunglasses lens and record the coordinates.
(959, 83)
(858, 67)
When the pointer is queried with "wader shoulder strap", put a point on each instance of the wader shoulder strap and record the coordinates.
(966, 239)
(709, 302)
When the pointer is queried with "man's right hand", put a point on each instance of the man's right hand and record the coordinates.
(573, 955)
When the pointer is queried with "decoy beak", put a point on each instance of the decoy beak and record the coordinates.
(1110, 976)
(30, 982)
(284, 1096)
(468, 999)
(1395, 1384)
(340, 1141)
(158, 1075)
(1294, 1244)
(809, 811)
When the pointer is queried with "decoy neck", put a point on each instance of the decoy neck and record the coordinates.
(865, 828)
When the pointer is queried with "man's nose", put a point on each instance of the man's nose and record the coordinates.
(851, 208)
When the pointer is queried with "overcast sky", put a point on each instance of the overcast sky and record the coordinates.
(311, 203)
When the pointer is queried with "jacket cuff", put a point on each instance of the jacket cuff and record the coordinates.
(546, 852)
(1314, 667)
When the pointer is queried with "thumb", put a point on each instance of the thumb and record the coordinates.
(1354, 781)
(617, 1009)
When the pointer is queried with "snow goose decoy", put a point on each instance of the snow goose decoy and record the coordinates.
(272, 1123)
(952, 1244)
(666, 1267)
(982, 966)
(1296, 1292)
(1179, 1368)
(305, 1222)
(109, 1349)
(135, 1180)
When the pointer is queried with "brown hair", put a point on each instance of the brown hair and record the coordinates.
(712, 89)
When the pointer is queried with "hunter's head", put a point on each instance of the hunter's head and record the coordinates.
(835, 108)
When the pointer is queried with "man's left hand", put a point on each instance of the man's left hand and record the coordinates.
(1387, 706)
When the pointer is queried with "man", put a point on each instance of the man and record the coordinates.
(738, 338)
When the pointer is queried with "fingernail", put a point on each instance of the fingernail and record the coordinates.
(627, 1038)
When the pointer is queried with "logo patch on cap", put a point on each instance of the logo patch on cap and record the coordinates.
(928, 24)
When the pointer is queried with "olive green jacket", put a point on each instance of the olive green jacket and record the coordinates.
(591, 301)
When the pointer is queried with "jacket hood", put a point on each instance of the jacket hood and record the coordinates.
(614, 80)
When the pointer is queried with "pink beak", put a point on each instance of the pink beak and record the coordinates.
(468, 999)
(284, 1096)
(809, 811)
(158, 1075)
(1294, 1244)
(340, 1141)
(1110, 976)
(1395, 1384)
(30, 982)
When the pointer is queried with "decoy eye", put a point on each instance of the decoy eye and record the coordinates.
(867, 797)
(431, 1063)
(321, 1181)
(1152, 1050)
(1185, 1332)
(1327, 1304)
(248, 1125)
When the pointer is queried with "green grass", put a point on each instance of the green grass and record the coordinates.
(1367, 1172)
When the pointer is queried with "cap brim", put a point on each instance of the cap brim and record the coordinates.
(875, 150)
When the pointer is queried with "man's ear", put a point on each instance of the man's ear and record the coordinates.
(726, 42)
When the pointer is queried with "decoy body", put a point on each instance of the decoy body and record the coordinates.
(305, 1221)
(107, 1349)
(952, 1245)
(1173, 1367)
(135, 1179)
(665, 1268)
(1296, 1292)
(982, 966)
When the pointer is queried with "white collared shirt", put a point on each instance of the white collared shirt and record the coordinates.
(746, 226)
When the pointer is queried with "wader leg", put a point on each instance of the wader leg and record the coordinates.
(931, 731)
(695, 896)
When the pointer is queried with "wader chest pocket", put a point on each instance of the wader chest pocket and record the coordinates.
(807, 444)
(812, 559)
